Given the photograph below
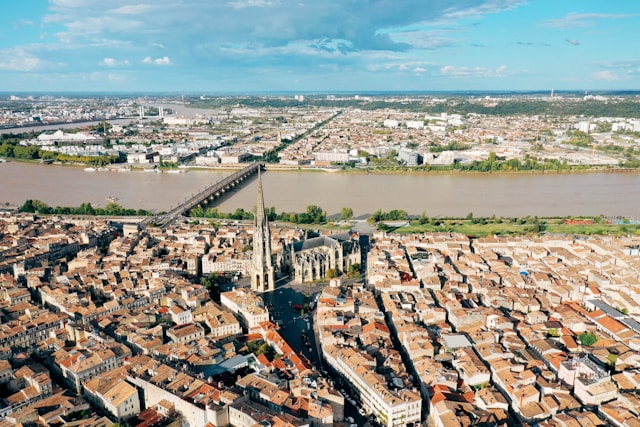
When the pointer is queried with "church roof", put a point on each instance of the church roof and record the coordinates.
(315, 242)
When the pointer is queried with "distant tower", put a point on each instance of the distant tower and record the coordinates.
(141, 111)
(552, 92)
(261, 268)
(161, 111)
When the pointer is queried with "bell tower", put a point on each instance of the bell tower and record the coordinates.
(262, 272)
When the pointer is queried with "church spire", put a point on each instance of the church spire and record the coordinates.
(262, 276)
(260, 217)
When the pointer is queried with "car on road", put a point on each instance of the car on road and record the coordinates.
(361, 411)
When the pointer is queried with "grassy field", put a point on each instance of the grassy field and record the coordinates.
(504, 228)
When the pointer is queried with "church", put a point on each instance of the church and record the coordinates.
(304, 261)
(310, 259)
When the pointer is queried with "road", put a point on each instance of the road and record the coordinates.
(296, 328)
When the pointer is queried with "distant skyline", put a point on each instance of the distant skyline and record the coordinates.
(245, 46)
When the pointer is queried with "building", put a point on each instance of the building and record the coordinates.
(415, 124)
(310, 259)
(234, 158)
(116, 396)
(410, 157)
(391, 406)
(592, 385)
(142, 158)
(183, 334)
(334, 156)
(262, 271)
(247, 305)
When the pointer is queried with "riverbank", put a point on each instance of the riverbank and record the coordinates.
(421, 171)
(482, 227)
(418, 171)
(355, 171)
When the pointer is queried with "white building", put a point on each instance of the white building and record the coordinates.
(227, 263)
(592, 385)
(335, 156)
(180, 316)
(392, 408)
(142, 158)
(247, 305)
(117, 397)
(390, 123)
(207, 160)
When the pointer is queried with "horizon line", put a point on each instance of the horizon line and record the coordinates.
(322, 92)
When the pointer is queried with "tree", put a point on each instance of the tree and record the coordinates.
(86, 209)
(347, 213)
(612, 360)
(113, 209)
(212, 282)
(354, 270)
(553, 332)
(332, 273)
(315, 215)
(423, 218)
(197, 212)
(588, 338)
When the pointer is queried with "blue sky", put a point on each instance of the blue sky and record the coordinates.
(213, 46)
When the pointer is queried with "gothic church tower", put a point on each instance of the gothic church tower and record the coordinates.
(262, 276)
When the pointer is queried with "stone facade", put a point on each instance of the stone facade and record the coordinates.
(310, 259)
(262, 271)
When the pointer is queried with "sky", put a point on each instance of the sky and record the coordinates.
(251, 46)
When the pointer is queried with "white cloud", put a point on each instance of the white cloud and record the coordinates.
(415, 66)
(607, 76)
(577, 20)
(432, 39)
(17, 59)
(112, 62)
(461, 72)
(268, 22)
(116, 77)
(484, 8)
(165, 60)
(134, 9)
(241, 4)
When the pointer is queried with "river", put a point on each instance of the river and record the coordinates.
(70, 186)
(551, 194)
(61, 126)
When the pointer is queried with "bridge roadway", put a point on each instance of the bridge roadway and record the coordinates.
(202, 197)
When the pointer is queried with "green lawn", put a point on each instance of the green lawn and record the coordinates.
(549, 226)
(615, 229)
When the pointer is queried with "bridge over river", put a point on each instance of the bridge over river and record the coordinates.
(205, 196)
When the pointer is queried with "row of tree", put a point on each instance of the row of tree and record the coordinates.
(313, 215)
(627, 107)
(111, 209)
(393, 215)
(14, 151)
(494, 163)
